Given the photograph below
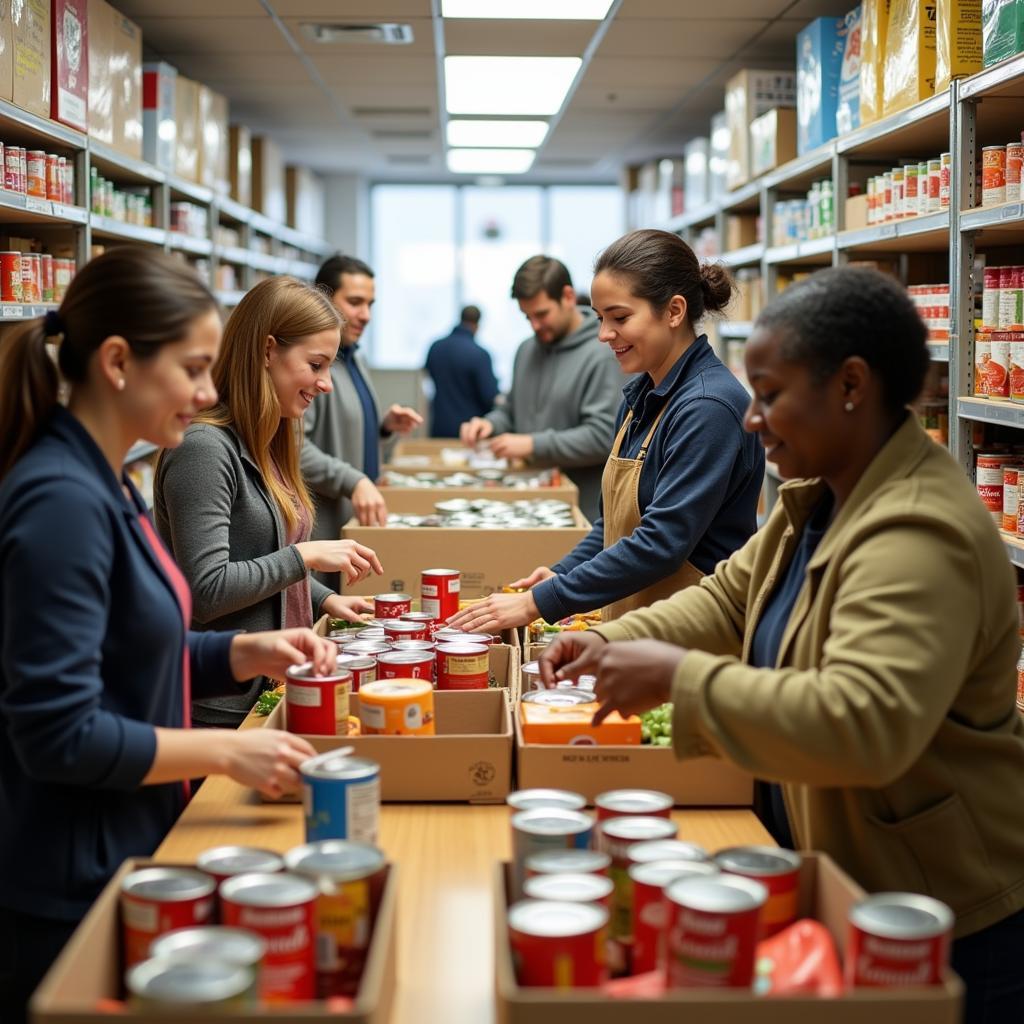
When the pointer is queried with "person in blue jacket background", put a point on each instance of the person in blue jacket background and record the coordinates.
(679, 492)
(97, 664)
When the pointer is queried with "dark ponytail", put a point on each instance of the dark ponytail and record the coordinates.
(145, 296)
(659, 264)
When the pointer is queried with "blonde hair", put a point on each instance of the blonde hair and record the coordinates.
(288, 311)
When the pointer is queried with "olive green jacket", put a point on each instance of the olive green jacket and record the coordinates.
(890, 717)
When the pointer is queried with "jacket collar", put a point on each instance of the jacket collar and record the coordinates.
(71, 432)
(691, 362)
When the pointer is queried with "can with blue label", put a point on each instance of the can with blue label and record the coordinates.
(341, 797)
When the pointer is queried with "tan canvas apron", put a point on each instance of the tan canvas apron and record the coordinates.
(620, 491)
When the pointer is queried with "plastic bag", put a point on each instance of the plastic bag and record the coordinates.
(800, 958)
(958, 49)
(909, 69)
(874, 22)
(1002, 26)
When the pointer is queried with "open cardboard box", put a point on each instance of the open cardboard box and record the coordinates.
(487, 559)
(469, 758)
(420, 501)
(88, 971)
(826, 894)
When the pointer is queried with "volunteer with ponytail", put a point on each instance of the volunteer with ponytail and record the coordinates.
(96, 659)
(680, 490)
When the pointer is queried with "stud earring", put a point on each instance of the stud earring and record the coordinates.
(120, 384)
(848, 407)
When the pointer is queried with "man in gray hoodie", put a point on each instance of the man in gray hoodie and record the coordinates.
(566, 386)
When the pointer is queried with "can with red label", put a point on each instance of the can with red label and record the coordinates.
(463, 667)
(224, 862)
(35, 185)
(363, 670)
(988, 475)
(10, 277)
(712, 931)
(46, 272)
(425, 618)
(453, 636)
(157, 900)
(546, 828)
(625, 803)
(68, 180)
(317, 705)
(558, 945)
(1012, 476)
(406, 665)
(897, 939)
(281, 908)
(401, 629)
(366, 648)
(1014, 161)
(580, 887)
(993, 175)
(54, 187)
(665, 849)
(391, 606)
(30, 277)
(777, 870)
(650, 909)
(12, 169)
(568, 862)
(439, 592)
(945, 176)
(63, 271)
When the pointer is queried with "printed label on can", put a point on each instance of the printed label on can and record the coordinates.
(307, 696)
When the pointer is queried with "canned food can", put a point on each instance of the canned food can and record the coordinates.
(650, 909)
(457, 637)
(215, 943)
(910, 190)
(401, 629)
(887, 211)
(12, 169)
(1014, 161)
(23, 172)
(362, 669)
(425, 618)
(349, 878)
(158, 900)
(988, 476)
(546, 828)
(68, 181)
(317, 705)
(54, 189)
(414, 645)
(341, 797)
(993, 175)
(777, 870)
(406, 665)
(531, 799)
(341, 637)
(281, 908)
(558, 945)
(665, 849)
(391, 606)
(997, 376)
(224, 862)
(1017, 366)
(397, 707)
(897, 939)
(439, 592)
(366, 649)
(982, 357)
(372, 634)
(578, 887)
(622, 803)
(922, 187)
(35, 184)
(173, 985)
(712, 931)
(10, 277)
(63, 271)
(531, 677)
(568, 862)
(46, 273)
(990, 299)
(28, 279)
(561, 697)
(1011, 496)
(934, 186)
(1011, 299)
(945, 177)
(463, 667)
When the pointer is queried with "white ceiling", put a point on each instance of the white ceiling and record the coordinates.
(652, 81)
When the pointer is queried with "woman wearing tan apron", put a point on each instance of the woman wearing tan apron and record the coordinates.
(681, 485)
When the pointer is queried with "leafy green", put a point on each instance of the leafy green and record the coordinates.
(268, 700)
(656, 726)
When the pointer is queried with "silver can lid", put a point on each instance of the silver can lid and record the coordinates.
(238, 860)
(182, 982)
(562, 697)
(665, 849)
(464, 649)
(424, 618)
(396, 657)
(661, 873)
(552, 821)
(392, 597)
(211, 942)
(168, 885)
(528, 799)
(356, 663)
(306, 673)
(902, 915)
(717, 894)
(261, 890)
(335, 860)
(634, 801)
(762, 861)
(638, 827)
(338, 764)
(439, 572)
(550, 919)
(568, 861)
(569, 888)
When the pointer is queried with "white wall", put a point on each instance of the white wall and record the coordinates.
(348, 214)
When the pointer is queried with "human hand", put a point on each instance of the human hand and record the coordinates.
(570, 655)
(400, 419)
(475, 430)
(368, 504)
(541, 573)
(512, 446)
(354, 561)
(495, 613)
(266, 759)
(635, 676)
(273, 652)
(351, 609)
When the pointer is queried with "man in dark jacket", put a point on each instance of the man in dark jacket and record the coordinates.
(464, 381)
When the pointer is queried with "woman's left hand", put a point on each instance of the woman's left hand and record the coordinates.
(273, 653)
(495, 613)
(351, 609)
(635, 676)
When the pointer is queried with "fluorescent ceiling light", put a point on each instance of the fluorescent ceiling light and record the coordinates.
(508, 85)
(490, 161)
(502, 134)
(563, 10)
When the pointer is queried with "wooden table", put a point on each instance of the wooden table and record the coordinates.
(447, 854)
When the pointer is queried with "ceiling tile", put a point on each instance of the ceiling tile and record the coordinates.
(498, 38)
(192, 9)
(337, 10)
(709, 39)
(257, 35)
(688, 10)
(652, 73)
(235, 67)
(399, 71)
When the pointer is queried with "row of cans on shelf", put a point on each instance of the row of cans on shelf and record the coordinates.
(190, 219)
(1001, 173)
(796, 220)
(623, 895)
(1002, 299)
(932, 304)
(35, 277)
(130, 206)
(33, 172)
(291, 928)
(910, 191)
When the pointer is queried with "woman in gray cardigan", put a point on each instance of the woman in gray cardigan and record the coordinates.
(230, 500)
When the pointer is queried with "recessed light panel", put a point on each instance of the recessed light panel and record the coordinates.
(508, 85)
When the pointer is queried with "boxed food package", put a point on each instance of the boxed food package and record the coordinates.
(908, 74)
(848, 111)
(958, 41)
(240, 164)
(819, 61)
(697, 173)
(572, 726)
(213, 143)
(305, 201)
(187, 140)
(268, 179)
(856, 213)
(772, 140)
(1002, 29)
(6, 54)
(100, 106)
(718, 162)
(30, 30)
(159, 127)
(740, 231)
(749, 94)
(874, 24)
(126, 108)
(69, 64)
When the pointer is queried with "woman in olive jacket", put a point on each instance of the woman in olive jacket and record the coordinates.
(859, 649)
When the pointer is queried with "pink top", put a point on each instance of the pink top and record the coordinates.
(298, 599)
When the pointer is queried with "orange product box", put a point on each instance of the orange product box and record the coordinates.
(555, 723)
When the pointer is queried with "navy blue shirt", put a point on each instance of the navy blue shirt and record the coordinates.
(371, 425)
(464, 382)
(698, 489)
(91, 646)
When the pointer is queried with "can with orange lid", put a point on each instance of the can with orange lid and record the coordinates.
(1014, 161)
(558, 945)
(224, 862)
(47, 275)
(569, 887)
(439, 592)
(897, 939)
(778, 870)
(397, 707)
(993, 175)
(10, 277)
(625, 803)
(391, 606)
(317, 705)
(568, 862)
(35, 184)
(712, 931)
(463, 667)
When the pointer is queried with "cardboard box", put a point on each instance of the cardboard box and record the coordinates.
(487, 559)
(421, 500)
(958, 41)
(240, 164)
(159, 127)
(848, 111)
(874, 24)
(187, 140)
(819, 61)
(69, 63)
(740, 231)
(213, 142)
(100, 107)
(908, 74)
(268, 184)
(6, 53)
(30, 31)
(305, 201)
(88, 972)
(469, 758)
(126, 109)
(826, 893)
(749, 94)
(772, 140)
(856, 213)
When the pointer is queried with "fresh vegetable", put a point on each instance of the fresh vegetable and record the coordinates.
(345, 624)
(656, 726)
(268, 700)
